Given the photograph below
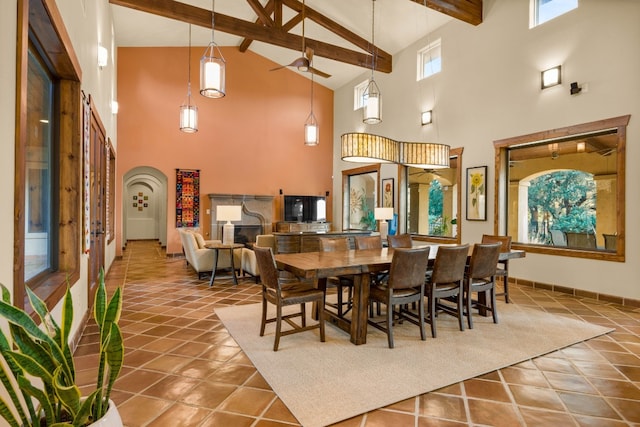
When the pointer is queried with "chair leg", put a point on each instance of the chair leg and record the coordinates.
(506, 288)
(423, 334)
(432, 315)
(264, 316)
(390, 324)
(468, 296)
(339, 291)
(278, 327)
(321, 320)
(303, 313)
(494, 312)
(460, 311)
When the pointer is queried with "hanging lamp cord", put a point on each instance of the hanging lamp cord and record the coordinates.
(373, 42)
(213, 18)
(189, 71)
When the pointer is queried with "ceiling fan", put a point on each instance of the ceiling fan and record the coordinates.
(304, 62)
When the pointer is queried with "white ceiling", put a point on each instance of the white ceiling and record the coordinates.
(398, 24)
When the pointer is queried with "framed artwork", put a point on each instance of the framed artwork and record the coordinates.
(477, 193)
(360, 197)
(387, 193)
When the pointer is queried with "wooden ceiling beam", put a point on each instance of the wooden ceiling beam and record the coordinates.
(202, 17)
(469, 11)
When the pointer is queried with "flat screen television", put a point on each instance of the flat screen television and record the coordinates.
(305, 208)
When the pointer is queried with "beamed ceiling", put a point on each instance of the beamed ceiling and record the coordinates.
(277, 23)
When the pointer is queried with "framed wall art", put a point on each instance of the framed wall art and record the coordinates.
(477, 193)
(387, 193)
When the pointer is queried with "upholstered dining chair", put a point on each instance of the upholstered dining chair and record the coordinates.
(368, 242)
(404, 285)
(400, 241)
(503, 266)
(284, 294)
(330, 244)
(481, 277)
(446, 282)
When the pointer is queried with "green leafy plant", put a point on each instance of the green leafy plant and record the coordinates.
(39, 375)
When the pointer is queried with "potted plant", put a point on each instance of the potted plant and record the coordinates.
(38, 373)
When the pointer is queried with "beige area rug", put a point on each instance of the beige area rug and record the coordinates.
(323, 383)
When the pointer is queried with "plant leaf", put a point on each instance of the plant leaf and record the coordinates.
(6, 413)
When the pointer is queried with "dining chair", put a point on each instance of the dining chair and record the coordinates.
(330, 244)
(368, 242)
(404, 285)
(446, 282)
(400, 241)
(481, 277)
(284, 294)
(503, 266)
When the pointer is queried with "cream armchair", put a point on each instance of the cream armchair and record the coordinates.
(202, 259)
(249, 263)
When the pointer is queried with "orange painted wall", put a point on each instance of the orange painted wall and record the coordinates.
(249, 142)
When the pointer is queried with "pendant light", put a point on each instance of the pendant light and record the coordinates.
(372, 111)
(189, 111)
(311, 130)
(212, 67)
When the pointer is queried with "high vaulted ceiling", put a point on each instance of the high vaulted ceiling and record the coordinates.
(338, 31)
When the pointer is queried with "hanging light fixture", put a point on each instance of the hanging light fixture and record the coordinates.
(212, 67)
(189, 111)
(372, 97)
(311, 130)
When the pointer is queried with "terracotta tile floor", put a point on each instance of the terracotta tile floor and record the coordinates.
(183, 368)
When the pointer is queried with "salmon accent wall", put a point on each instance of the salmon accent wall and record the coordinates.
(249, 142)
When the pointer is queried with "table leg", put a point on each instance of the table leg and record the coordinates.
(359, 312)
(215, 267)
(233, 269)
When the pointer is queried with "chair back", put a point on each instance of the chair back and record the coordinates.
(331, 244)
(450, 264)
(504, 240)
(484, 260)
(267, 268)
(408, 267)
(368, 242)
(400, 241)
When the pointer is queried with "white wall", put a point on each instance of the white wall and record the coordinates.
(86, 22)
(489, 89)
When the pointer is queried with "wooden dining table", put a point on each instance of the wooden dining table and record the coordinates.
(319, 266)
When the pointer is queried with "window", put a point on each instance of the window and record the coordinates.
(39, 234)
(47, 230)
(546, 10)
(429, 60)
(358, 95)
(433, 201)
(562, 192)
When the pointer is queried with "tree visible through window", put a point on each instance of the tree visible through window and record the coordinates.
(564, 201)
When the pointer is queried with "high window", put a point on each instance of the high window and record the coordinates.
(546, 10)
(562, 192)
(358, 95)
(429, 60)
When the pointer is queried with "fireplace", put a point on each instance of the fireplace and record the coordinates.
(257, 216)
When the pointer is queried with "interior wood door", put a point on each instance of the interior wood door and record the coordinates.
(97, 182)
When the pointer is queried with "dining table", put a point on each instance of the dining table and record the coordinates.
(360, 264)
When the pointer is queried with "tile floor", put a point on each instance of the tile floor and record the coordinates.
(183, 369)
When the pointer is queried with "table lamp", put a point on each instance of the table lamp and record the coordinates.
(228, 213)
(383, 214)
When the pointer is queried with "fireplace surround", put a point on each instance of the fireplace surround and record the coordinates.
(257, 215)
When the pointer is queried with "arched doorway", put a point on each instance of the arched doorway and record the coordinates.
(144, 206)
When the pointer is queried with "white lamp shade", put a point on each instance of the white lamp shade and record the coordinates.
(229, 213)
(212, 75)
(103, 56)
(189, 118)
(383, 213)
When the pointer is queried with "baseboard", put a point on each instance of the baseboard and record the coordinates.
(628, 302)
